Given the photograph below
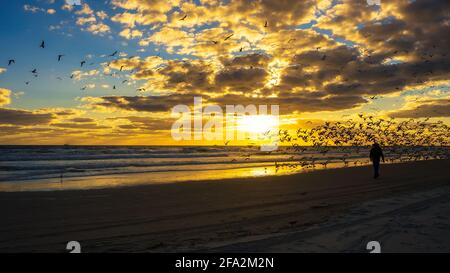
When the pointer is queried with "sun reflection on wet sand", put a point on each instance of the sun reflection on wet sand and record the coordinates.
(134, 179)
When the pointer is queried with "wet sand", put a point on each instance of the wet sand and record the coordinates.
(334, 210)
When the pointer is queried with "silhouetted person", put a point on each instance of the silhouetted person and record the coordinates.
(375, 155)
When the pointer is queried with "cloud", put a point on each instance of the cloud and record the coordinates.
(427, 108)
(138, 103)
(33, 9)
(305, 56)
(144, 123)
(78, 125)
(24, 117)
(241, 79)
(92, 21)
(5, 96)
(130, 34)
(80, 75)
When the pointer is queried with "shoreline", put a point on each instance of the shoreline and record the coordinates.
(200, 215)
(141, 178)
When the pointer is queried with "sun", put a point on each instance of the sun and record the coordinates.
(257, 124)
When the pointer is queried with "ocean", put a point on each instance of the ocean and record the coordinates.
(38, 168)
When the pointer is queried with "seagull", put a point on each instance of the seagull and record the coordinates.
(124, 81)
(114, 87)
(228, 37)
(122, 67)
(59, 57)
(42, 44)
(114, 54)
(27, 83)
(82, 63)
(266, 24)
(184, 17)
(11, 62)
(34, 71)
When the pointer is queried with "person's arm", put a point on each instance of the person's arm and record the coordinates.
(382, 155)
(371, 155)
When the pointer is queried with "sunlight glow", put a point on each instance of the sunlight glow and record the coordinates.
(258, 124)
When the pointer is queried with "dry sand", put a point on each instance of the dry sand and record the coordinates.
(336, 210)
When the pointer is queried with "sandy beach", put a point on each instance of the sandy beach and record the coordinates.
(334, 210)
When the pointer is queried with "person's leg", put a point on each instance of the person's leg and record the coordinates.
(376, 168)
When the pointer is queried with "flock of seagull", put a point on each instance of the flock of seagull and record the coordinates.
(405, 141)
(349, 141)
(59, 58)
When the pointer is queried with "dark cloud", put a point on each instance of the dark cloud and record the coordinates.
(255, 59)
(148, 124)
(429, 108)
(82, 120)
(142, 103)
(300, 103)
(241, 79)
(24, 117)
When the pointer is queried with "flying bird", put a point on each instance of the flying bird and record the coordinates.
(11, 62)
(184, 17)
(114, 54)
(59, 57)
(228, 37)
(266, 24)
(34, 71)
(82, 63)
(42, 44)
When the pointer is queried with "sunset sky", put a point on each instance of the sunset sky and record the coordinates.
(318, 60)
